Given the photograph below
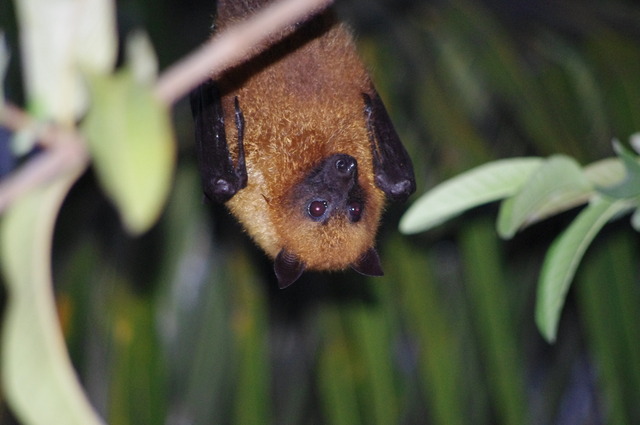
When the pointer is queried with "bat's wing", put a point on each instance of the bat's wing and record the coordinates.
(391, 163)
(221, 179)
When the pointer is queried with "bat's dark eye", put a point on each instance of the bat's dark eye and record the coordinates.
(317, 208)
(355, 211)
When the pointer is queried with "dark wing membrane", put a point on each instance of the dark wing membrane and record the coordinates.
(391, 163)
(221, 179)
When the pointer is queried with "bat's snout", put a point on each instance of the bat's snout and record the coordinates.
(346, 165)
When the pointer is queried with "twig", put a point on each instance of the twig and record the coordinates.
(15, 119)
(63, 158)
(232, 46)
(65, 151)
(12, 117)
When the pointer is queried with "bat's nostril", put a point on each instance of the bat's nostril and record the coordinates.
(346, 165)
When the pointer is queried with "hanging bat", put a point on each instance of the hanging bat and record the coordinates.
(297, 144)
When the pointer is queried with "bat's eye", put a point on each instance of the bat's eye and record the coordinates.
(355, 211)
(317, 209)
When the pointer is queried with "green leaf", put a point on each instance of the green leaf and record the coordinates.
(634, 141)
(563, 258)
(141, 57)
(59, 38)
(337, 383)
(24, 140)
(251, 342)
(605, 172)
(557, 185)
(483, 184)
(131, 142)
(38, 379)
(635, 220)
(630, 187)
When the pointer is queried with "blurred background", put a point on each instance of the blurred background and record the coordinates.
(185, 325)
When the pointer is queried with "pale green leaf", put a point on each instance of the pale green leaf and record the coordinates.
(141, 57)
(38, 379)
(96, 41)
(59, 39)
(634, 141)
(563, 258)
(486, 183)
(557, 185)
(24, 140)
(605, 172)
(635, 220)
(131, 142)
(630, 185)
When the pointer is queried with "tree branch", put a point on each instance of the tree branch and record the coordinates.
(66, 149)
(233, 46)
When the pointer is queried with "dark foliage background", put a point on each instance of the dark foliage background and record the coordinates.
(185, 325)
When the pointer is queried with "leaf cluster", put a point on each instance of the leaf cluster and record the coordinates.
(127, 135)
(532, 189)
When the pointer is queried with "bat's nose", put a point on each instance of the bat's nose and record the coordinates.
(346, 165)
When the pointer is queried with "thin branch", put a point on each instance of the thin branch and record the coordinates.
(15, 119)
(40, 170)
(232, 46)
(65, 151)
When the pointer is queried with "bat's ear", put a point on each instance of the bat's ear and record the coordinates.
(288, 268)
(368, 264)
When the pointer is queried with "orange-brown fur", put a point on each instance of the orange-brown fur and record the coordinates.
(302, 102)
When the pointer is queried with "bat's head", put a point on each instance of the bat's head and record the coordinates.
(330, 222)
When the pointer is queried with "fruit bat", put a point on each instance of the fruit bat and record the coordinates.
(297, 143)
